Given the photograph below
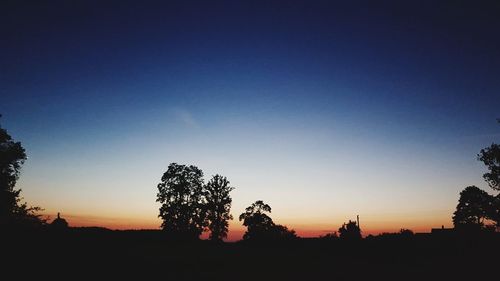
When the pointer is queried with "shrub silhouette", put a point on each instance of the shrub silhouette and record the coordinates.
(281, 232)
(59, 223)
(406, 232)
(350, 231)
(330, 236)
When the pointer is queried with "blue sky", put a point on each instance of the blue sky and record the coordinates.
(324, 110)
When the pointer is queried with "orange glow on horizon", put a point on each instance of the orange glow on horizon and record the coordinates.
(236, 230)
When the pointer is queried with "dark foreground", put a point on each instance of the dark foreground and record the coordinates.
(96, 254)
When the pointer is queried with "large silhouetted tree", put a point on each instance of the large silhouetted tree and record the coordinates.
(13, 212)
(218, 205)
(181, 193)
(473, 207)
(490, 156)
(260, 226)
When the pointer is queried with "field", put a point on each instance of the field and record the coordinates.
(93, 253)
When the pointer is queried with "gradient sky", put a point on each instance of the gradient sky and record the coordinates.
(323, 110)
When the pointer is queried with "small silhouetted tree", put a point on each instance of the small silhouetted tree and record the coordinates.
(473, 207)
(261, 227)
(13, 212)
(350, 231)
(218, 206)
(181, 193)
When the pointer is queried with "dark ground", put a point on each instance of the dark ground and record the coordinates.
(95, 253)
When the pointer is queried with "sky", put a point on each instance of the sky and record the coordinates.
(324, 110)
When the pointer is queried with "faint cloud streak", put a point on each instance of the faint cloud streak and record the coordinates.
(186, 118)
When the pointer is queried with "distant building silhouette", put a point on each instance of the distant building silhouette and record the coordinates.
(442, 232)
(59, 223)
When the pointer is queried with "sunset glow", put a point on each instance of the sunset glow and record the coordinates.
(324, 112)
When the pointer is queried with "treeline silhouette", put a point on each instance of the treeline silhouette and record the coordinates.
(189, 206)
(268, 251)
(146, 254)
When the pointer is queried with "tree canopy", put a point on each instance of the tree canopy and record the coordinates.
(14, 213)
(181, 193)
(190, 207)
(218, 206)
(260, 226)
(490, 156)
(474, 206)
(256, 220)
(350, 231)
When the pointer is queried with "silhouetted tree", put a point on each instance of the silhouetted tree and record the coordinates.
(494, 211)
(256, 220)
(218, 205)
(490, 156)
(59, 223)
(181, 193)
(350, 231)
(14, 212)
(260, 226)
(281, 232)
(473, 207)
